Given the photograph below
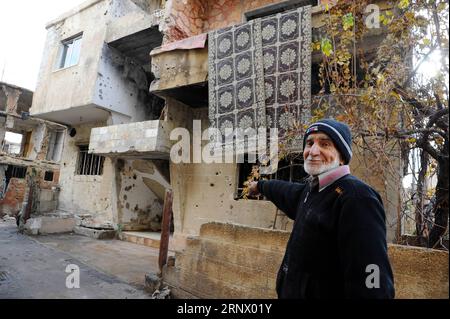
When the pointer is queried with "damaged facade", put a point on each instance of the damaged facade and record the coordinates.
(30, 152)
(121, 75)
(101, 93)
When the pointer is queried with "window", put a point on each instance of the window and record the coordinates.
(13, 143)
(89, 164)
(70, 53)
(12, 171)
(16, 172)
(289, 169)
(48, 176)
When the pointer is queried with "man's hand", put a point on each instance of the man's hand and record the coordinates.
(253, 189)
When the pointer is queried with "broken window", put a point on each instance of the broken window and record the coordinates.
(289, 169)
(48, 176)
(89, 164)
(14, 171)
(70, 53)
(12, 143)
(8, 172)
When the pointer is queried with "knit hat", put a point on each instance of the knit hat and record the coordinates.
(338, 132)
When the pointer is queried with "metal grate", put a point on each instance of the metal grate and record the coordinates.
(16, 171)
(289, 169)
(89, 164)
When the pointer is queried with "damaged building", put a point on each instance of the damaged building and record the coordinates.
(122, 74)
(94, 78)
(30, 151)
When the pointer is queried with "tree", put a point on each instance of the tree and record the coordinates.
(382, 93)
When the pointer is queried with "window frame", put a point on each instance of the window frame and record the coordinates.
(67, 48)
(291, 166)
(85, 162)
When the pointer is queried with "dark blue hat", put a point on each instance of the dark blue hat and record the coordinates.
(338, 132)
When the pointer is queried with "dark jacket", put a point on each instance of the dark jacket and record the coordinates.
(337, 234)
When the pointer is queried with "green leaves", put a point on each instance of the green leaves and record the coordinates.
(403, 4)
(327, 47)
(348, 21)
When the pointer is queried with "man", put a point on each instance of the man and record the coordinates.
(337, 248)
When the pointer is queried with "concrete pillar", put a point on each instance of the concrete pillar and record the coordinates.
(2, 130)
(37, 139)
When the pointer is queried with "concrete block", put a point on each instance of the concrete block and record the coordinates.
(49, 225)
(33, 225)
(95, 233)
(260, 238)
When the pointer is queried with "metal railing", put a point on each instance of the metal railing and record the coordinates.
(89, 164)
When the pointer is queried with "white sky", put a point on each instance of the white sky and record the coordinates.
(22, 37)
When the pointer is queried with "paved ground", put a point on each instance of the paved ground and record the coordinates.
(34, 267)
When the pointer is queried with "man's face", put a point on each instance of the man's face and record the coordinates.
(320, 154)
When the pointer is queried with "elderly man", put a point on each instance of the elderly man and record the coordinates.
(337, 248)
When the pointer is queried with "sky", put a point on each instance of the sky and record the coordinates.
(22, 37)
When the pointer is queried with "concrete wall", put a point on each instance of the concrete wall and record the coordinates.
(59, 89)
(386, 181)
(141, 196)
(205, 192)
(13, 102)
(184, 19)
(179, 68)
(11, 201)
(121, 86)
(102, 76)
(233, 261)
(131, 16)
(13, 195)
(149, 137)
(85, 194)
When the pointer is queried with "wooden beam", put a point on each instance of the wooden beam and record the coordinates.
(165, 229)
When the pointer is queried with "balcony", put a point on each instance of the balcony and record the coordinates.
(181, 71)
(149, 140)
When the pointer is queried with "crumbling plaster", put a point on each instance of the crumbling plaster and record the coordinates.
(12, 98)
(204, 193)
(234, 261)
(102, 78)
(54, 91)
(141, 195)
(13, 102)
(11, 201)
(122, 87)
(187, 18)
(129, 17)
(83, 194)
(12, 196)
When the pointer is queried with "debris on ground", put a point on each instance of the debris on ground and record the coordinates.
(161, 294)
